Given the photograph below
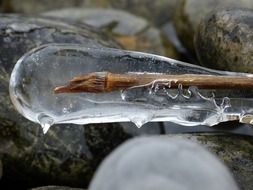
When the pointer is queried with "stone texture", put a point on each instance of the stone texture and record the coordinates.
(130, 31)
(190, 12)
(158, 163)
(65, 155)
(224, 40)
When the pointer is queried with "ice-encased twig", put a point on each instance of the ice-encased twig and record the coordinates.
(185, 102)
(102, 82)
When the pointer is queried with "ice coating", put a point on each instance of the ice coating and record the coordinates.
(38, 72)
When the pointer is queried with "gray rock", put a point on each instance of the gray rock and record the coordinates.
(158, 163)
(55, 188)
(130, 31)
(224, 40)
(65, 155)
(190, 12)
(34, 6)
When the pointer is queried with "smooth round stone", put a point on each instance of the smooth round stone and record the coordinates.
(158, 163)
(130, 31)
(67, 154)
(190, 12)
(224, 40)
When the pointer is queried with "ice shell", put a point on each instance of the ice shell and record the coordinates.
(38, 72)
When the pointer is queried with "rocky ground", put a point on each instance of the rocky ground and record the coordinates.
(212, 33)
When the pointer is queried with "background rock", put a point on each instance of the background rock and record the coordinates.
(157, 163)
(190, 12)
(224, 40)
(1, 169)
(130, 31)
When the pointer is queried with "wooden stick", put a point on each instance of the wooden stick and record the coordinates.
(100, 82)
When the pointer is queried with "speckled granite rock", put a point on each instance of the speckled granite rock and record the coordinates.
(158, 12)
(62, 156)
(157, 163)
(224, 40)
(235, 151)
(130, 31)
(55, 188)
(190, 12)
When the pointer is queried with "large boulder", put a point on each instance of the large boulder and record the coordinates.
(158, 163)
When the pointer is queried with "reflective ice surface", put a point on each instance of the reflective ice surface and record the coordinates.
(38, 72)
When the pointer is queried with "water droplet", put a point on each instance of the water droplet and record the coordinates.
(45, 122)
(45, 127)
(140, 119)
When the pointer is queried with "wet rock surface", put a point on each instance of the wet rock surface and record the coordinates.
(224, 40)
(190, 12)
(156, 163)
(130, 31)
(64, 156)
(234, 151)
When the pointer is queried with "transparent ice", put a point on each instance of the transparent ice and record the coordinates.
(38, 72)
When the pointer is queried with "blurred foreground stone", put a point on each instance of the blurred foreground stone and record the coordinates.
(224, 40)
(158, 163)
